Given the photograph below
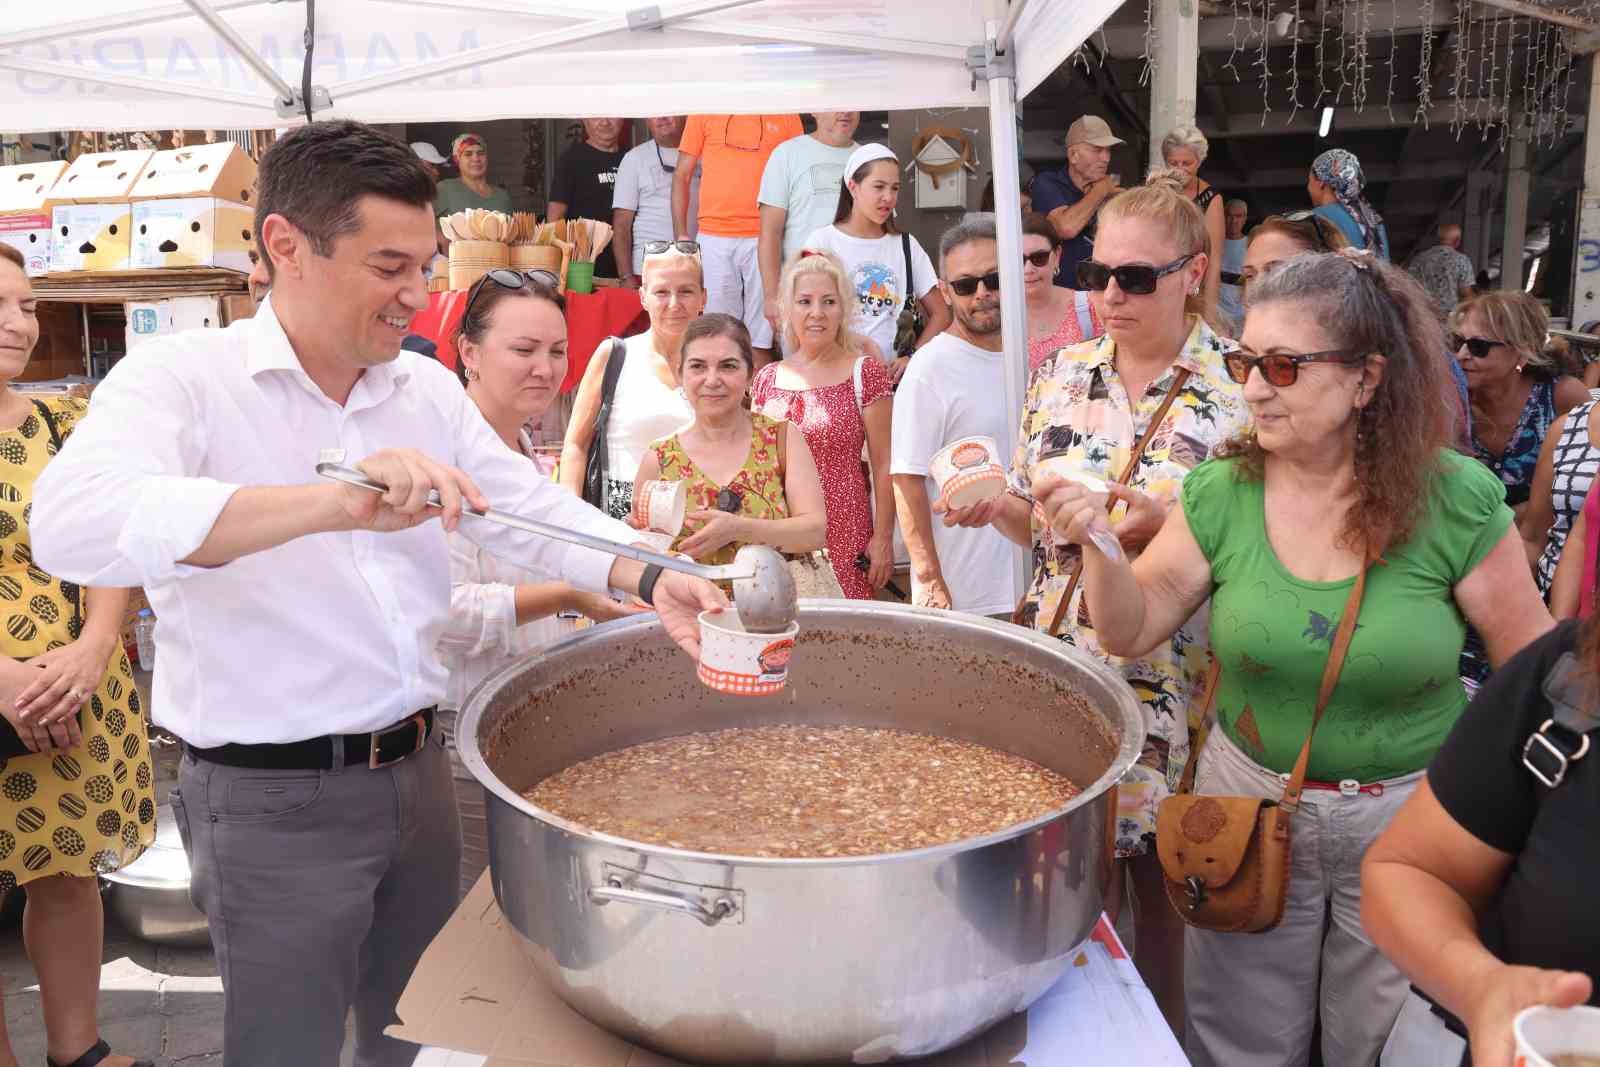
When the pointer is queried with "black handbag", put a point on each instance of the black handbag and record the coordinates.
(908, 327)
(594, 471)
(11, 744)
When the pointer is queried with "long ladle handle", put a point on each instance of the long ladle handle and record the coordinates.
(350, 476)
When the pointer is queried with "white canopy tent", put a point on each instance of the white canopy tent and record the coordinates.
(238, 64)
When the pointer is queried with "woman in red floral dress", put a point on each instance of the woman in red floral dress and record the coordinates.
(839, 396)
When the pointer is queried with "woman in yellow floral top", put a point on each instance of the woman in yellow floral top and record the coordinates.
(751, 479)
(1145, 279)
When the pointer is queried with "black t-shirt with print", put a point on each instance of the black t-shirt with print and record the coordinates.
(1545, 915)
(585, 180)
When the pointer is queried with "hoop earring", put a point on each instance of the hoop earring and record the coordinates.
(472, 375)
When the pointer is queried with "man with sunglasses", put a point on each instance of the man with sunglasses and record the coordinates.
(1071, 197)
(300, 617)
(732, 152)
(641, 210)
(954, 389)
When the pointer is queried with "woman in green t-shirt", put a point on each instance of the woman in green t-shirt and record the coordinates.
(1350, 450)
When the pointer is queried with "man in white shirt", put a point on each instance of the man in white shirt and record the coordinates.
(954, 389)
(800, 193)
(642, 203)
(298, 617)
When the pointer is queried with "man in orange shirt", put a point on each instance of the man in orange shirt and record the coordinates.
(732, 151)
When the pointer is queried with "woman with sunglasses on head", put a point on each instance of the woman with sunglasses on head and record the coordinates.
(751, 480)
(839, 397)
(889, 268)
(1057, 316)
(1185, 148)
(1087, 408)
(512, 346)
(1349, 460)
(647, 404)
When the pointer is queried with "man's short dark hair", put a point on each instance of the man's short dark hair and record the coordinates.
(979, 226)
(316, 175)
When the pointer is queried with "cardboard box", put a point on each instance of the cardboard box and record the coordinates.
(91, 237)
(98, 177)
(28, 188)
(476, 999)
(222, 170)
(30, 235)
(193, 232)
(146, 319)
(196, 313)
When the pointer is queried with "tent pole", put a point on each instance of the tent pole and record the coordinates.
(1004, 153)
(241, 48)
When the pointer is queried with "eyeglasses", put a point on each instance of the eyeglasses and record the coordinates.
(1040, 258)
(661, 248)
(1317, 222)
(728, 142)
(1135, 279)
(1279, 369)
(1477, 347)
(670, 168)
(511, 279)
(730, 500)
(968, 286)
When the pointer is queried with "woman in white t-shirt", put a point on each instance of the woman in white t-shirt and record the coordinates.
(878, 258)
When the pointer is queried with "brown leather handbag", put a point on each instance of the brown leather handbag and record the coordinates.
(1226, 858)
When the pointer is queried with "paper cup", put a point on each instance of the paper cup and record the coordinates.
(1065, 468)
(968, 471)
(1555, 1037)
(662, 506)
(740, 663)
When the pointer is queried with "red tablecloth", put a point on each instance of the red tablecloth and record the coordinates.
(591, 317)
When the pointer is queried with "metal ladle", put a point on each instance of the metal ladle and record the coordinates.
(763, 588)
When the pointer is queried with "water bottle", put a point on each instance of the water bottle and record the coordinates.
(144, 635)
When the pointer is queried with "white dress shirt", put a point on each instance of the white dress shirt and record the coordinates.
(482, 635)
(330, 633)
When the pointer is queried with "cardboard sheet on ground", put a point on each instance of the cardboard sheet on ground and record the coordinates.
(476, 1001)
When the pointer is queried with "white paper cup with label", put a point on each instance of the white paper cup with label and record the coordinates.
(654, 540)
(663, 505)
(968, 472)
(736, 661)
(1557, 1037)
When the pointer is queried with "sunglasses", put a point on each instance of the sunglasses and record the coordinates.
(661, 248)
(1317, 222)
(1278, 369)
(670, 168)
(511, 279)
(730, 500)
(727, 141)
(968, 286)
(1135, 279)
(1477, 347)
(1040, 258)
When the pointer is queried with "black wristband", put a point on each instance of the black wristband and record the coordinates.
(647, 582)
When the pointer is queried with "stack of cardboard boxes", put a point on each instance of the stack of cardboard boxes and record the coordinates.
(93, 219)
(27, 197)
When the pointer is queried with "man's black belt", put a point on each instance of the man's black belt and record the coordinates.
(377, 749)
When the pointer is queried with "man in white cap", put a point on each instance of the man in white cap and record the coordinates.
(431, 159)
(1071, 197)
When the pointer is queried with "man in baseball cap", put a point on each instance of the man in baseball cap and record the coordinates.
(429, 155)
(1071, 197)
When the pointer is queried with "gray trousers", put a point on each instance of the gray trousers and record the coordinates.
(1251, 999)
(322, 889)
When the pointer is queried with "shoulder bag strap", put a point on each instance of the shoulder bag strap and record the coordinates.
(1208, 699)
(855, 375)
(1156, 420)
(1330, 678)
(54, 429)
(616, 355)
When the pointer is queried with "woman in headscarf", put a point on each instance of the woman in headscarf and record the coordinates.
(1335, 187)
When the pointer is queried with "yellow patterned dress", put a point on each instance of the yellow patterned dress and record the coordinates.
(758, 484)
(92, 808)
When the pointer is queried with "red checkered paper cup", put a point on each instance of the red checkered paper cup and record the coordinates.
(968, 471)
(662, 505)
(736, 661)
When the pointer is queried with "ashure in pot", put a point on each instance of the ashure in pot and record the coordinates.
(864, 959)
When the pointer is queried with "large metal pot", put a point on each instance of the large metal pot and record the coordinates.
(864, 959)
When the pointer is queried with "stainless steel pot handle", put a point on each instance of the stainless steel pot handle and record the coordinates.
(709, 913)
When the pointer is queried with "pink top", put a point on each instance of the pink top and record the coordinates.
(1069, 331)
(1591, 547)
(835, 432)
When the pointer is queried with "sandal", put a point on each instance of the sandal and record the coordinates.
(97, 1052)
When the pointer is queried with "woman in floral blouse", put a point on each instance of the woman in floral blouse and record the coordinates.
(1087, 408)
(751, 479)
